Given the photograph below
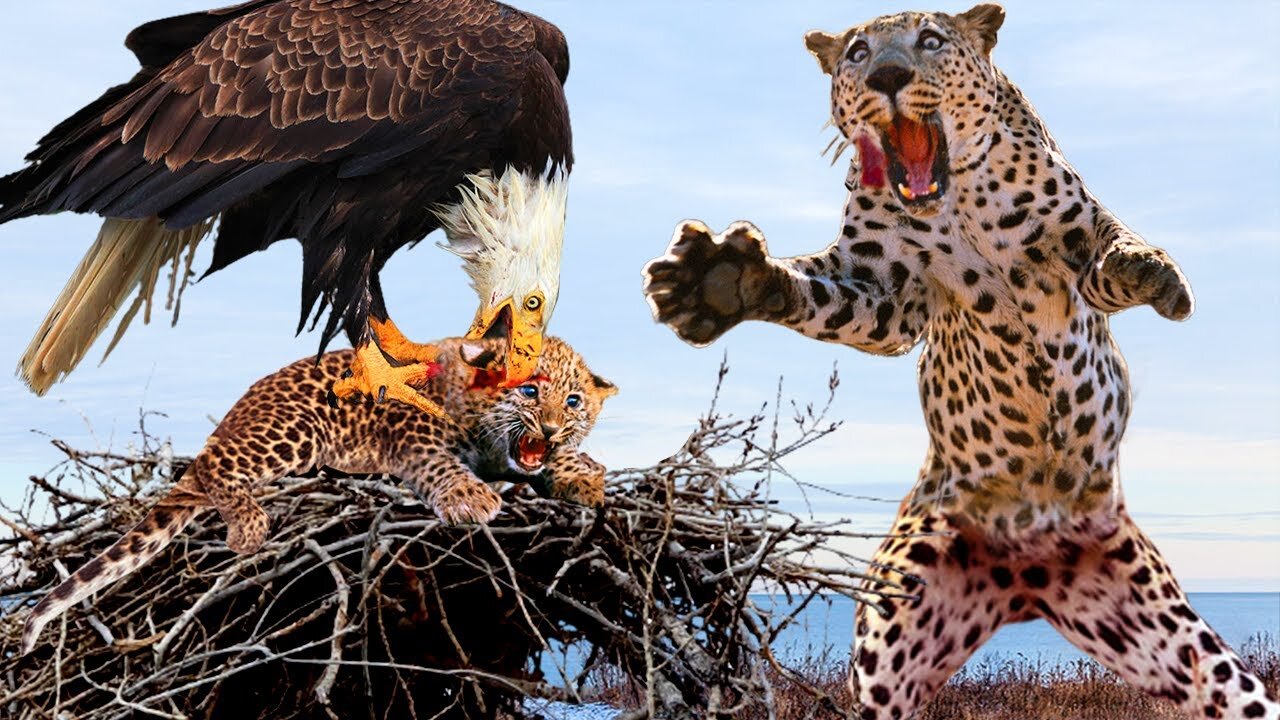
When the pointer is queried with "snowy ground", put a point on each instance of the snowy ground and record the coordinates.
(564, 711)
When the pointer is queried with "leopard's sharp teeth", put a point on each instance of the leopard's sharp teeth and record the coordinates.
(933, 188)
(906, 192)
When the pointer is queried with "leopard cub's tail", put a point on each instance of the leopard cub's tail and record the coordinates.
(135, 549)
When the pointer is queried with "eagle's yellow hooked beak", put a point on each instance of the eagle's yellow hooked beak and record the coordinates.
(522, 325)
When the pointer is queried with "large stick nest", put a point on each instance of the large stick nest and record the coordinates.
(362, 604)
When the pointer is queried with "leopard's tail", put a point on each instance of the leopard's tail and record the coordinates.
(135, 549)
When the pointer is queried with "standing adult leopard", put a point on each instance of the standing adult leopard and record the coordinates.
(287, 423)
(966, 228)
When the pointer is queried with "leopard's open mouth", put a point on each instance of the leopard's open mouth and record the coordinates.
(529, 452)
(914, 157)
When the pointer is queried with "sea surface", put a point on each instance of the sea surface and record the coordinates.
(1236, 616)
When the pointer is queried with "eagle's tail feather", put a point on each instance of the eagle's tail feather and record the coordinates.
(127, 254)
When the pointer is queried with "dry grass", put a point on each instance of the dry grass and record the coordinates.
(1022, 689)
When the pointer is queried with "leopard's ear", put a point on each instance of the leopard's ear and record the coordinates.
(603, 387)
(825, 47)
(479, 355)
(982, 22)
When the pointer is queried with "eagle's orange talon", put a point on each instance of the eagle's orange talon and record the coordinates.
(372, 375)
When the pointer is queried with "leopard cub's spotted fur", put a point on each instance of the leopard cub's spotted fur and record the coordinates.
(966, 229)
(286, 425)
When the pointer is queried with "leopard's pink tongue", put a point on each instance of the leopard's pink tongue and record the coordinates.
(532, 450)
(916, 144)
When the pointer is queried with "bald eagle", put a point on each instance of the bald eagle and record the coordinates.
(356, 127)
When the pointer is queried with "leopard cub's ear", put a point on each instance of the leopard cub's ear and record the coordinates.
(825, 47)
(480, 355)
(603, 388)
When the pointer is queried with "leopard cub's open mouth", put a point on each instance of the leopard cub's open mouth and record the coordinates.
(529, 452)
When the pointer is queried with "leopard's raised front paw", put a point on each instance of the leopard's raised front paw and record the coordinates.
(1153, 278)
(248, 529)
(467, 502)
(705, 285)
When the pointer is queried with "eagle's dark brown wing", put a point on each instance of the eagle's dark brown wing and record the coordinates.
(338, 122)
(354, 84)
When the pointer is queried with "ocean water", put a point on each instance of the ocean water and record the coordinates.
(828, 626)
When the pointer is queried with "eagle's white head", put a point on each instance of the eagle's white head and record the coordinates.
(509, 232)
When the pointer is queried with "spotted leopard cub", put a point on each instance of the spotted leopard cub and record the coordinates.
(286, 425)
(966, 228)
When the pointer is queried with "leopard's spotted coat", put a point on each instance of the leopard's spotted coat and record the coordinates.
(1007, 275)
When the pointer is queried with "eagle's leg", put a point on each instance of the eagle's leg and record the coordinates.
(373, 373)
(394, 343)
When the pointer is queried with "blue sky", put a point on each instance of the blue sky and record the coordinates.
(714, 110)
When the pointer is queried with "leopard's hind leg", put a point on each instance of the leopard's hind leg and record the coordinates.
(143, 542)
(282, 425)
(231, 466)
(905, 653)
(1121, 604)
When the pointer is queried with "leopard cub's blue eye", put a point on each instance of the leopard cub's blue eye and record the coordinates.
(528, 391)
(573, 401)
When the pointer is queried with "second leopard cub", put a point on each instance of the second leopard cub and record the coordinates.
(285, 425)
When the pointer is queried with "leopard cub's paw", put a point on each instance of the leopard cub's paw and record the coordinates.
(1153, 277)
(577, 478)
(587, 492)
(247, 530)
(472, 502)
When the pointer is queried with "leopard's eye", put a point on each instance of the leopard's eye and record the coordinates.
(930, 40)
(858, 52)
(528, 391)
(573, 401)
